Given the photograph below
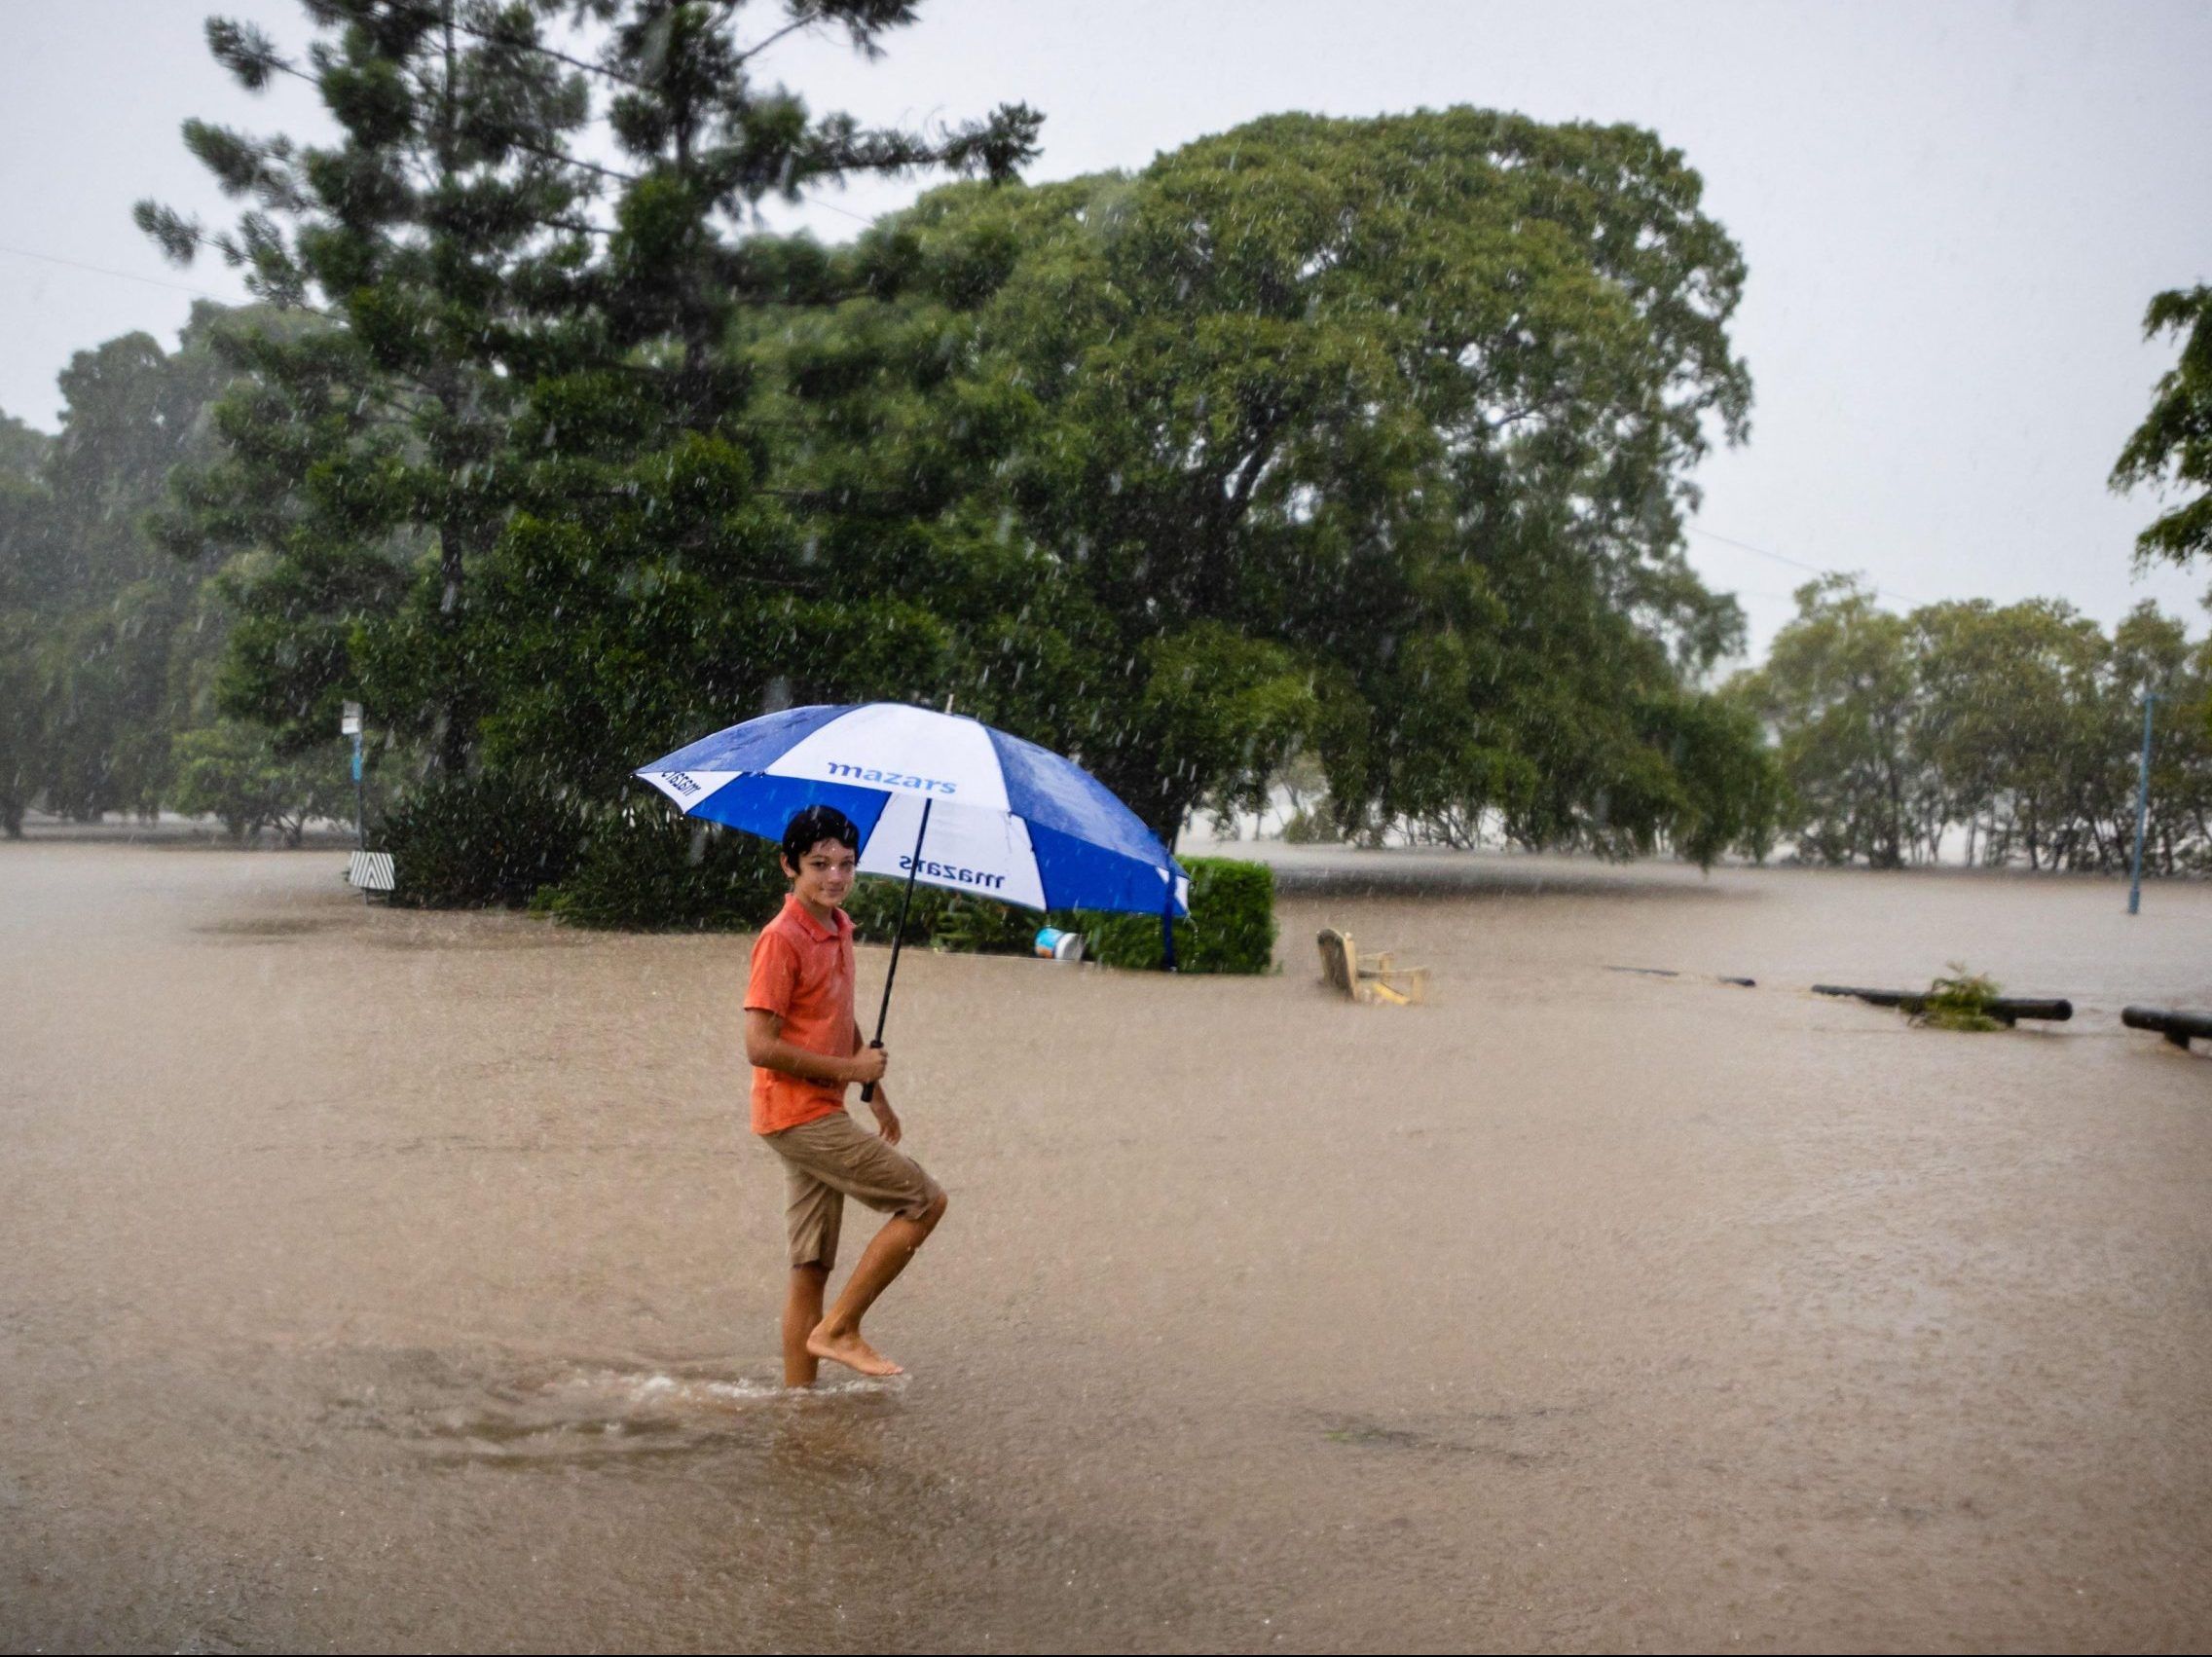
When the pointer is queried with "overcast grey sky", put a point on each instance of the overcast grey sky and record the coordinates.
(1953, 215)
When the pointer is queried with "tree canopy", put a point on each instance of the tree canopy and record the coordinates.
(2015, 727)
(1367, 435)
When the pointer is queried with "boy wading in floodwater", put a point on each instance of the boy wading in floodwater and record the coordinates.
(806, 1050)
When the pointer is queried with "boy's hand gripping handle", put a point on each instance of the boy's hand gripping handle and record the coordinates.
(867, 1089)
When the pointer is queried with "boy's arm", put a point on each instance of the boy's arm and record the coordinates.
(765, 1046)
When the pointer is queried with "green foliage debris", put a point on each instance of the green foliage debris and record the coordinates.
(1960, 1002)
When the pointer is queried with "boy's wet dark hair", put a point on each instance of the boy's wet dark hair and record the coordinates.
(815, 825)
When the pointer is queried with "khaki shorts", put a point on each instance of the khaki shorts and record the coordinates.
(830, 1159)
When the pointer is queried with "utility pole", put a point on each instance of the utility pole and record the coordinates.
(2142, 807)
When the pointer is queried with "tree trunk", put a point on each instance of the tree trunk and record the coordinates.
(2097, 839)
(452, 535)
(453, 720)
(1167, 822)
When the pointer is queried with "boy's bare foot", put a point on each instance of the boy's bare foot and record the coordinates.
(850, 1351)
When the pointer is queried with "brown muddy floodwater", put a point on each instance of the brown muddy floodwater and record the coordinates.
(379, 1280)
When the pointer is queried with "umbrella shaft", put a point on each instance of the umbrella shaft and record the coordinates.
(898, 939)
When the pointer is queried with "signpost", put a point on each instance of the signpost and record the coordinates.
(370, 870)
(350, 725)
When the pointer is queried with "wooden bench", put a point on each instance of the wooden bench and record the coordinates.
(1368, 978)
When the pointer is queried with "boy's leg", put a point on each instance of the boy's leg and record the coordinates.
(837, 1336)
(802, 1310)
(813, 1216)
(828, 1160)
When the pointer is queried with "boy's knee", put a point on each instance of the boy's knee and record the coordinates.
(935, 1210)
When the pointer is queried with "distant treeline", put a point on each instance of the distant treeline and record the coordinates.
(1355, 450)
(1989, 734)
(1963, 732)
(111, 648)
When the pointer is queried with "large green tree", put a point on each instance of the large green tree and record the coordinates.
(2010, 725)
(656, 582)
(23, 521)
(1838, 687)
(1370, 434)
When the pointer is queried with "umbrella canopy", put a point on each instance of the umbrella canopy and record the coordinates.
(938, 798)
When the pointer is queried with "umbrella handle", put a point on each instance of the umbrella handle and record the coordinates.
(867, 1089)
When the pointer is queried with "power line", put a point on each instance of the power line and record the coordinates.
(1794, 563)
(235, 299)
(818, 202)
(125, 275)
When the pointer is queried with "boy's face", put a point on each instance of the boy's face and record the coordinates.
(824, 874)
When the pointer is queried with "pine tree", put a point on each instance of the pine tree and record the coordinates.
(429, 245)
(655, 586)
(511, 466)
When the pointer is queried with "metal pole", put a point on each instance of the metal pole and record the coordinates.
(897, 938)
(2142, 808)
(360, 815)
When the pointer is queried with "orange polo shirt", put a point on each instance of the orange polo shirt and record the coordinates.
(802, 971)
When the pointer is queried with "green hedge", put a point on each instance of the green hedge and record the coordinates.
(1231, 929)
(943, 920)
(649, 870)
(477, 843)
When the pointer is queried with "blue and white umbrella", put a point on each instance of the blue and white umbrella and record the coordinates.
(1006, 819)
(938, 798)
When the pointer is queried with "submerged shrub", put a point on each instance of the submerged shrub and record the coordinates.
(1310, 827)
